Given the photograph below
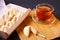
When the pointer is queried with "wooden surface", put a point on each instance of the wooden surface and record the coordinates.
(51, 31)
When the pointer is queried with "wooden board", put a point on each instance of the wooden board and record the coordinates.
(51, 31)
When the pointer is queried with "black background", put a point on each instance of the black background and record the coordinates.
(32, 4)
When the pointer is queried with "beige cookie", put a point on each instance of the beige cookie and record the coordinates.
(33, 30)
(3, 28)
(19, 15)
(2, 20)
(15, 11)
(26, 31)
(14, 19)
(8, 16)
(9, 24)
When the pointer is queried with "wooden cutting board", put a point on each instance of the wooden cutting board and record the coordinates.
(51, 31)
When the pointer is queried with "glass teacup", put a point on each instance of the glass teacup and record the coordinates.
(44, 12)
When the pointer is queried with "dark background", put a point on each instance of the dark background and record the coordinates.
(31, 4)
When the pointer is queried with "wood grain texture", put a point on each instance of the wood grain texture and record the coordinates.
(51, 31)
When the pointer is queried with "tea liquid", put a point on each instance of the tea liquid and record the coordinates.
(43, 12)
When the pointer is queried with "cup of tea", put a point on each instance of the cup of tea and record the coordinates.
(44, 12)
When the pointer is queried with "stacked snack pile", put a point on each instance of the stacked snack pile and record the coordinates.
(9, 18)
